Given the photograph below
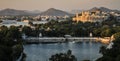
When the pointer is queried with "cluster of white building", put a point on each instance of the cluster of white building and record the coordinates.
(117, 15)
(24, 21)
(49, 18)
(9, 23)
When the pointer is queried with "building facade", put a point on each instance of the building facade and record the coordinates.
(87, 16)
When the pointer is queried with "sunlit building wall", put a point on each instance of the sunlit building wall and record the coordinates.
(88, 16)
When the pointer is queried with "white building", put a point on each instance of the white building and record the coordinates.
(9, 22)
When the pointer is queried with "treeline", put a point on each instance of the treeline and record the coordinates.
(80, 29)
(10, 43)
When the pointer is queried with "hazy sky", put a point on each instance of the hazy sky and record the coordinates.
(66, 5)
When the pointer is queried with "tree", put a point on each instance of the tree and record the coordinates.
(27, 30)
(107, 33)
(116, 35)
(69, 52)
(3, 30)
(13, 33)
(30, 23)
(97, 32)
(10, 43)
(63, 57)
(112, 54)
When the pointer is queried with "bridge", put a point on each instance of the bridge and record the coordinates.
(60, 39)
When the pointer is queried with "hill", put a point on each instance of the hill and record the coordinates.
(55, 12)
(13, 12)
(104, 9)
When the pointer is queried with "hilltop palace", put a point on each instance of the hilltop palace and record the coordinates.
(91, 16)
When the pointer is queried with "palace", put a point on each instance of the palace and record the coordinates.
(93, 16)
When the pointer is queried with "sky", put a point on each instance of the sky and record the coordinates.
(66, 5)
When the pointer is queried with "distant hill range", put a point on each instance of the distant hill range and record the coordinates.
(14, 12)
(49, 12)
(55, 12)
(103, 9)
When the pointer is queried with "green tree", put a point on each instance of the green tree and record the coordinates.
(10, 38)
(116, 35)
(27, 30)
(63, 57)
(107, 33)
(112, 54)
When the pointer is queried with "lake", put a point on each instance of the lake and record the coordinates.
(82, 51)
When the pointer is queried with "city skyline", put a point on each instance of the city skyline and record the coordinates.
(65, 5)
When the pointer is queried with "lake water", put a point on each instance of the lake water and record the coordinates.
(42, 52)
